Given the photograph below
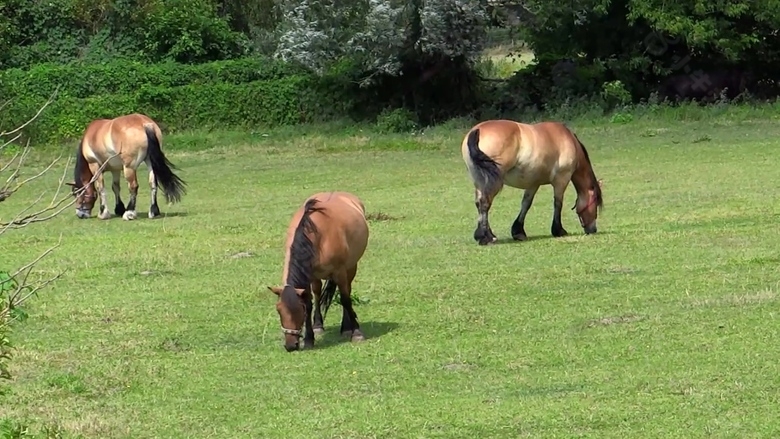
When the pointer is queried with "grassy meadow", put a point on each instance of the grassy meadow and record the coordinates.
(664, 324)
(501, 61)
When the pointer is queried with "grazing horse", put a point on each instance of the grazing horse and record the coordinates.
(124, 143)
(326, 238)
(526, 156)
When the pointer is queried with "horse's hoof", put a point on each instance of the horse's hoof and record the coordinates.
(104, 216)
(357, 336)
(520, 237)
(129, 215)
(488, 241)
(308, 344)
(346, 334)
(319, 331)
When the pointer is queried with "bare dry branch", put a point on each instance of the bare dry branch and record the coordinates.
(24, 290)
(55, 207)
(5, 104)
(17, 288)
(8, 142)
(32, 119)
(9, 187)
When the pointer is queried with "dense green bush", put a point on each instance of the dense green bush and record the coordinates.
(125, 76)
(247, 92)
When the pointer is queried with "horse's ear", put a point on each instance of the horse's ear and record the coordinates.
(276, 290)
(299, 291)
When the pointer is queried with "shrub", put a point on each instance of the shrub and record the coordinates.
(248, 92)
(399, 120)
(125, 76)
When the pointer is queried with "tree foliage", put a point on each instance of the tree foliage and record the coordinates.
(419, 55)
(382, 36)
(641, 42)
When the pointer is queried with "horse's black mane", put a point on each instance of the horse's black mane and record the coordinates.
(81, 166)
(302, 250)
(596, 187)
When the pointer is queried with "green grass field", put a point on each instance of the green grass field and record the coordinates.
(664, 324)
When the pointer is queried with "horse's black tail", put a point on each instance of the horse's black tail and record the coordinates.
(484, 171)
(172, 185)
(326, 298)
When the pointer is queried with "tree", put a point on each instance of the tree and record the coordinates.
(16, 287)
(404, 53)
(382, 35)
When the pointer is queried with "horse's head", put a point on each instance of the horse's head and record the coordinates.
(85, 198)
(292, 313)
(587, 207)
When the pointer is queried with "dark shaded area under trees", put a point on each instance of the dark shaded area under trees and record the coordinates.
(366, 57)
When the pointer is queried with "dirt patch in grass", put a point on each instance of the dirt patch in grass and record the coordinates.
(746, 299)
(381, 216)
(614, 320)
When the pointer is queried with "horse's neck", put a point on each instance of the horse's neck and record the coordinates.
(86, 176)
(582, 179)
(287, 263)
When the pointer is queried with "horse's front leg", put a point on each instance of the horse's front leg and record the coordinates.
(308, 336)
(119, 207)
(132, 185)
(100, 187)
(518, 227)
(316, 290)
(557, 229)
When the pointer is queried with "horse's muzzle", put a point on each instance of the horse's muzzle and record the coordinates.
(590, 229)
(292, 347)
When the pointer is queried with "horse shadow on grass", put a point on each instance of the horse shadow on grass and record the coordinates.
(166, 215)
(510, 240)
(371, 330)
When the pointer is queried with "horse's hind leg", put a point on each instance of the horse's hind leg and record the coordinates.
(559, 188)
(518, 227)
(132, 184)
(316, 290)
(119, 207)
(349, 323)
(154, 209)
(483, 234)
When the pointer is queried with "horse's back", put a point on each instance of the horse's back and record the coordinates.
(342, 227)
(527, 154)
(345, 210)
(123, 136)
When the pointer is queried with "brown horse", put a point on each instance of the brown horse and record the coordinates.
(326, 238)
(122, 144)
(526, 156)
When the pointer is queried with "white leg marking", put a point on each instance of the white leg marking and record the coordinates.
(106, 214)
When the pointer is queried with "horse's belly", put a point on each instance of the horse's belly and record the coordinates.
(343, 252)
(521, 178)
